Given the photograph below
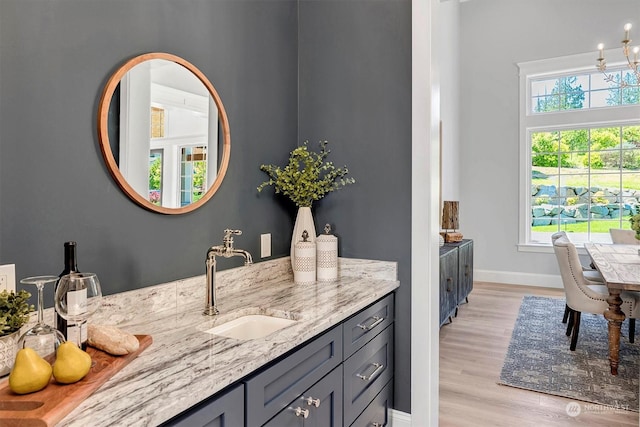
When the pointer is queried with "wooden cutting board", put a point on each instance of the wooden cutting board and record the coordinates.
(51, 404)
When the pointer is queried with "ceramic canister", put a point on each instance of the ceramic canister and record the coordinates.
(327, 256)
(304, 265)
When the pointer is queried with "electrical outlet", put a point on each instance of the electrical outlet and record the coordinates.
(265, 245)
(8, 277)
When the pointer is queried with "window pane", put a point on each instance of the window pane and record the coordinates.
(545, 103)
(543, 87)
(605, 98)
(598, 82)
(155, 176)
(631, 94)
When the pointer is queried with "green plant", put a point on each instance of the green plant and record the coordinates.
(542, 200)
(14, 311)
(599, 198)
(635, 222)
(571, 201)
(307, 176)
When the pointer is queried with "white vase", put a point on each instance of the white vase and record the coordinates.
(8, 346)
(304, 221)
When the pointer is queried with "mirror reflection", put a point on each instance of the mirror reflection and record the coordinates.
(167, 133)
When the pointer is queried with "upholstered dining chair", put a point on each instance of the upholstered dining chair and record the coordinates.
(590, 273)
(625, 237)
(584, 296)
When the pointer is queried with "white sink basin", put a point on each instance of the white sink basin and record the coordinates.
(250, 327)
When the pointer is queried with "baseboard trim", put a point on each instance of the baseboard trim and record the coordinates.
(516, 278)
(399, 418)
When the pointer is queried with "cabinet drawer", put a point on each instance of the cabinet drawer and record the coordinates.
(365, 325)
(377, 413)
(222, 410)
(319, 406)
(273, 389)
(366, 373)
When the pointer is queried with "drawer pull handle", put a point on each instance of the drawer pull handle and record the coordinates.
(376, 321)
(379, 367)
(312, 402)
(301, 412)
(377, 425)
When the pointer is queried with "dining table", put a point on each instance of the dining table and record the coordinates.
(620, 269)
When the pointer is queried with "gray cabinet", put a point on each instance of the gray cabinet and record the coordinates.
(465, 271)
(377, 413)
(342, 377)
(448, 283)
(277, 386)
(366, 373)
(456, 277)
(319, 406)
(360, 328)
(225, 409)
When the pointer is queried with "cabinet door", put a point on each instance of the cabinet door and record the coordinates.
(366, 373)
(377, 413)
(363, 326)
(320, 406)
(328, 395)
(448, 283)
(274, 388)
(465, 271)
(226, 410)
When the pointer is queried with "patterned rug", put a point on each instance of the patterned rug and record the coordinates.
(539, 358)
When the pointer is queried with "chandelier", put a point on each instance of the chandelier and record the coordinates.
(634, 64)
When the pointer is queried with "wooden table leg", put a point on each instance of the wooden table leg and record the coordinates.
(615, 316)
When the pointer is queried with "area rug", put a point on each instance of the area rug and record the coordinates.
(539, 358)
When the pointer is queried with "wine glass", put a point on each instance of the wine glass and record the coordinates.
(78, 296)
(44, 339)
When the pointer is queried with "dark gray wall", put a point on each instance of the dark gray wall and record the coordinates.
(355, 91)
(55, 59)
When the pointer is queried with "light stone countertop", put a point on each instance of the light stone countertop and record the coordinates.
(185, 365)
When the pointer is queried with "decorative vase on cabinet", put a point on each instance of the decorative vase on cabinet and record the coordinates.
(8, 346)
(304, 221)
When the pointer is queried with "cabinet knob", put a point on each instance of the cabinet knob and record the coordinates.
(301, 412)
(312, 402)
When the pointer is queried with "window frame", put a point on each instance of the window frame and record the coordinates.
(530, 122)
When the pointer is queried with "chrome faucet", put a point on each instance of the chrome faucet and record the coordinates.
(225, 250)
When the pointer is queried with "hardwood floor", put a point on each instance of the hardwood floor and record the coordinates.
(472, 350)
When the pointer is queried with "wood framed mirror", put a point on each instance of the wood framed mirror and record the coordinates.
(164, 133)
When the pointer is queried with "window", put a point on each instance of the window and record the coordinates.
(580, 150)
(155, 176)
(193, 174)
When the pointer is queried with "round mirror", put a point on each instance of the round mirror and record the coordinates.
(164, 133)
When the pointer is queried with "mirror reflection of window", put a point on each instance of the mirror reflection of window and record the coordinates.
(193, 174)
(155, 177)
(157, 122)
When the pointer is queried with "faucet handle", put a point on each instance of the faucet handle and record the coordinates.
(228, 240)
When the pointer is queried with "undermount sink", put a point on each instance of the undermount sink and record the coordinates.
(250, 327)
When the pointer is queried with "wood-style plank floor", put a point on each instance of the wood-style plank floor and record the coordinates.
(472, 350)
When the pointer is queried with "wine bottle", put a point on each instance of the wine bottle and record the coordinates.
(70, 266)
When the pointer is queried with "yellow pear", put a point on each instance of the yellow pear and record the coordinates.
(30, 372)
(72, 363)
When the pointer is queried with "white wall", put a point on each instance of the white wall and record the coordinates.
(495, 35)
(449, 53)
